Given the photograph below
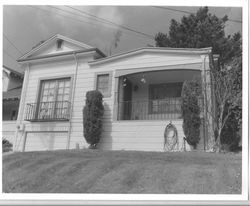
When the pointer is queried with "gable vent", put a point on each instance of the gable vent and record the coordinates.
(59, 43)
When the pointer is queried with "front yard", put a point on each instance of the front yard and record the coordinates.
(93, 171)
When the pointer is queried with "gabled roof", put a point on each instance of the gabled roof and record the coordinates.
(152, 50)
(57, 36)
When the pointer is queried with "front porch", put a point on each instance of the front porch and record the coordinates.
(152, 95)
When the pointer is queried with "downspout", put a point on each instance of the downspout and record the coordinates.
(21, 106)
(72, 100)
(205, 103)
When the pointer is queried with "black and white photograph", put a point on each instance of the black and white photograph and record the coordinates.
(113, 103)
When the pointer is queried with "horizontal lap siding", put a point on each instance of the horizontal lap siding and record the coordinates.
(46, 141)
(145, 135)
(41, 130)
(85, 82)
(138, 135)
(150, 60)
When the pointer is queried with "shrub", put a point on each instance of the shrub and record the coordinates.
(191, 111)
(7, 146)
(230, 136)
(92, 117)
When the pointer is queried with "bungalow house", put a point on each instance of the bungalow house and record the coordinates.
(11, 87)
(141, 90)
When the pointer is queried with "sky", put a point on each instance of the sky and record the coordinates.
(25, 26)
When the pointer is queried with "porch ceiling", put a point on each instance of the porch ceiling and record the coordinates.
(164, 76)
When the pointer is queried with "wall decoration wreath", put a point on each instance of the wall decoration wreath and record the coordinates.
(170, 137)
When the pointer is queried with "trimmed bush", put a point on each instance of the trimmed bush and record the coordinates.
(191, 111)
(230, 136)
(92, 117)
(6, 145)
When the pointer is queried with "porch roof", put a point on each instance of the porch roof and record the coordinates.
(153, 50)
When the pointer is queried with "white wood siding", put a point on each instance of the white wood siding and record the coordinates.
(139, 135)
(128, 135)
(45, 141)
(150, 60)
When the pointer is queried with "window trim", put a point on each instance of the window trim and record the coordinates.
(110, 73)
(39, 86)
(150, 93)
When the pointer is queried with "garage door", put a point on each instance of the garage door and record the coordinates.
(46, 141)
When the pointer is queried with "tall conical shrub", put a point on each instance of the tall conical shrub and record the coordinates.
(191, 111)
(92, 117)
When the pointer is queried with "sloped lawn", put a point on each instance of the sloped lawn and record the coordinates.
(87, 171)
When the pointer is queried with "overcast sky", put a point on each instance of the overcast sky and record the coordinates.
(25, 26)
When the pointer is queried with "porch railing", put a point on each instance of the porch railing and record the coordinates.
(157, 109)
(48, 111)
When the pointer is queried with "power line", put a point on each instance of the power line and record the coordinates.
(12, 43)
(99, 21)
(113, 23)
(74, 19)
(73, 13)
(9, 55)
(60, 15)
(187, 12)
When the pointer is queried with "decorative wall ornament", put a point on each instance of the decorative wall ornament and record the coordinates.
(143, 79)
(170, 137)
(124, 82)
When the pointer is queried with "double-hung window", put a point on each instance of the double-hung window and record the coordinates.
(103, 84)
(54, 99)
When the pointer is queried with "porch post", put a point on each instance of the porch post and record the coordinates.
(208, 105)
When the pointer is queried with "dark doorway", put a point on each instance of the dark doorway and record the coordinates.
(127, 98)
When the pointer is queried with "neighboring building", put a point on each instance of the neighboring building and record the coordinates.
(11, 79)
(12, 87)
(141, 89)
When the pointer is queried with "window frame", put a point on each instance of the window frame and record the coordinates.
(109, 73)
(39, 89)
(150, 94)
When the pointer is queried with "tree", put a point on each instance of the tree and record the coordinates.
(206, 30)
(201, 30)
(92, 117)
(227, 98)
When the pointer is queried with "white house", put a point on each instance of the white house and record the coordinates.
(141, 90)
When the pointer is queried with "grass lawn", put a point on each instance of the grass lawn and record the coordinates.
(93, 171)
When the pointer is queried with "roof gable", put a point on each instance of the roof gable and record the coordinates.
(56, 45)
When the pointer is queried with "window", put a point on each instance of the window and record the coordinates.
(165, 98)
(103, 84)
(54, 99)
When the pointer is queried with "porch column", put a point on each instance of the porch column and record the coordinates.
(208, 103)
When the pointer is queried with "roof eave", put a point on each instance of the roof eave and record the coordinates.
(152, 49)
(50, 39)
(86, 51)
